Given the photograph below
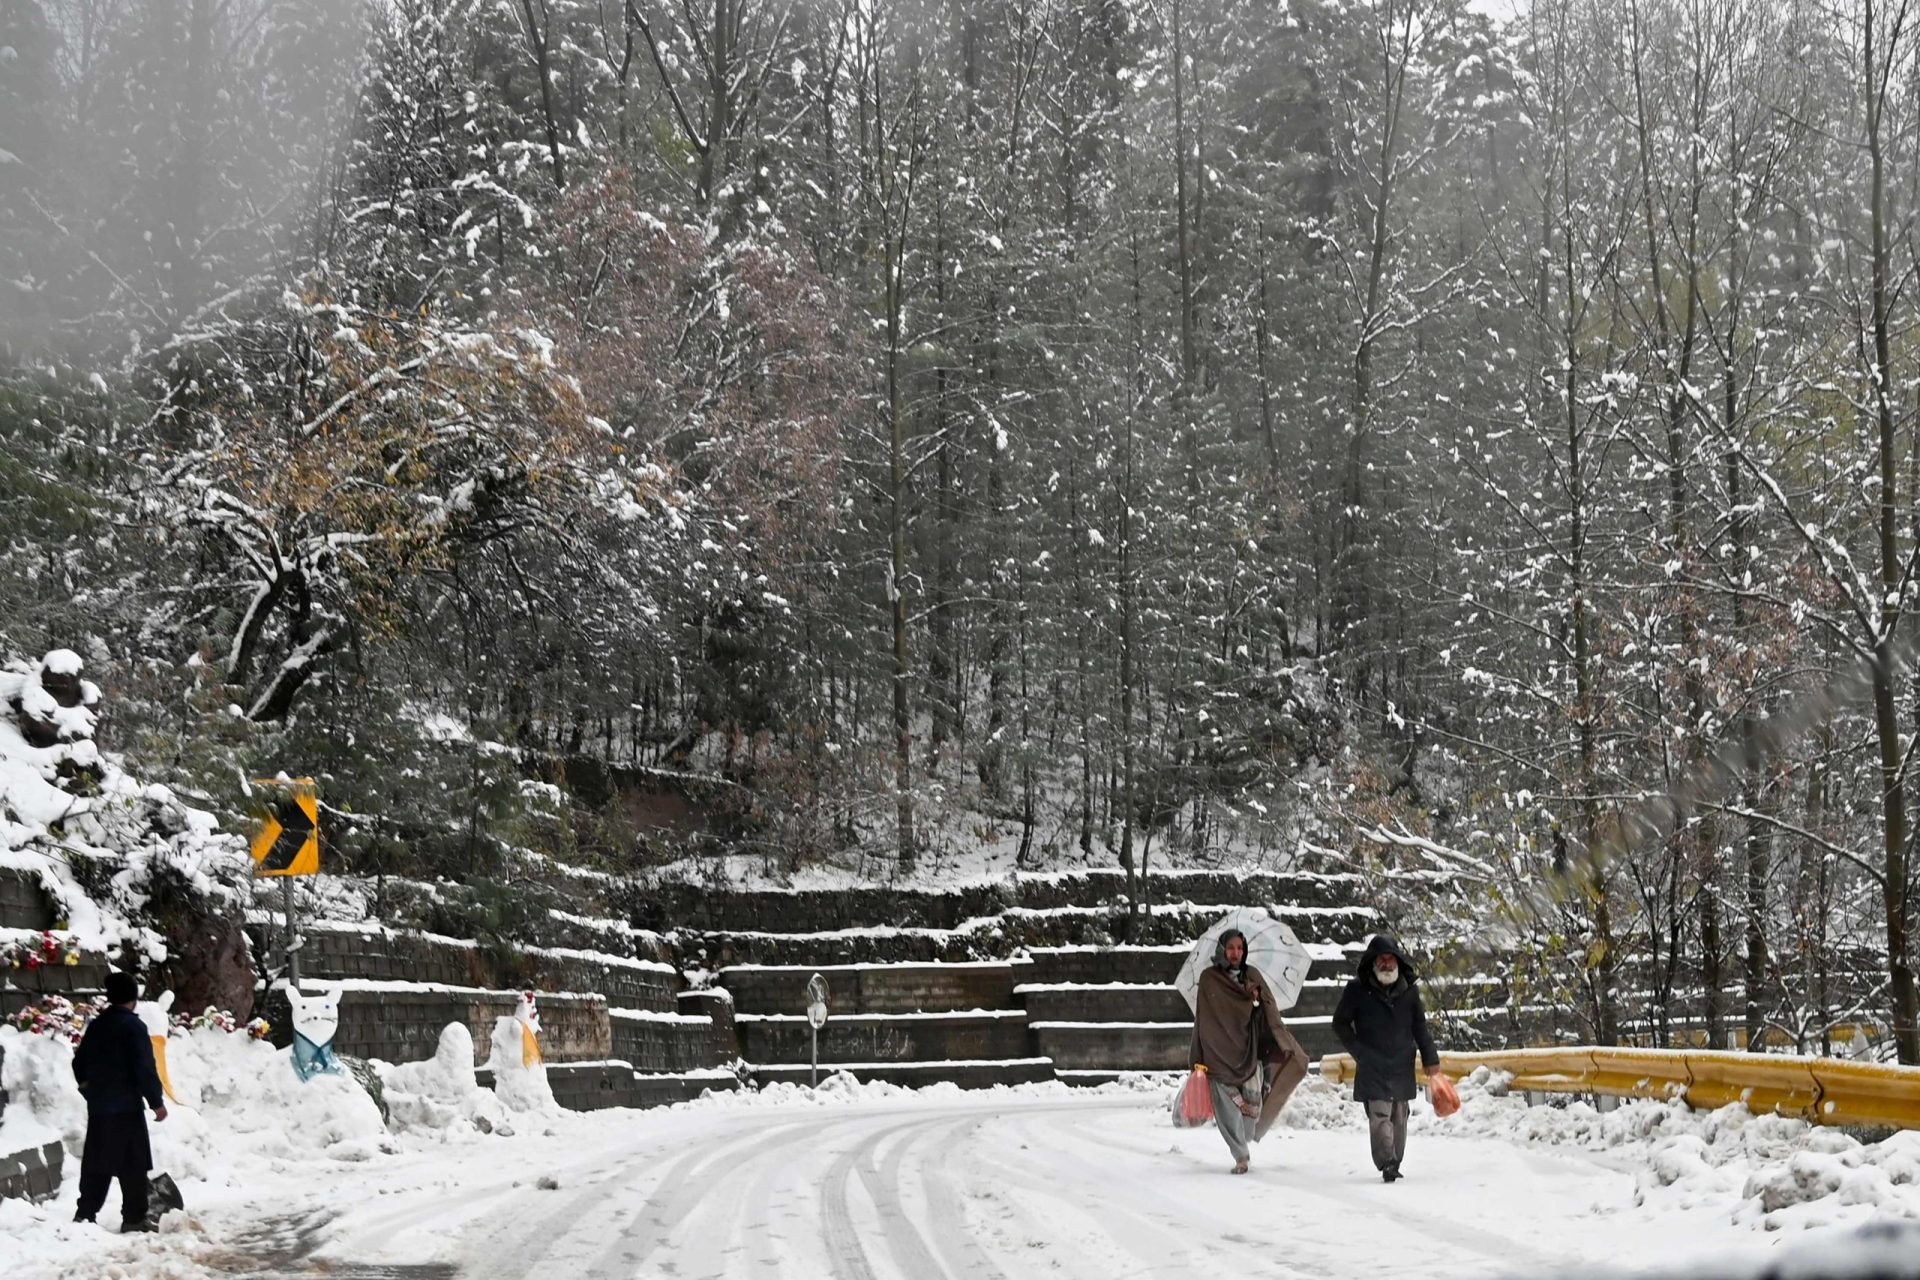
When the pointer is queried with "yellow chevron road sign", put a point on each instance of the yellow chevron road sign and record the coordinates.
(288, 842)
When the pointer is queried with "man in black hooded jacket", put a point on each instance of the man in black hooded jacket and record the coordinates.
(114, 1065)
(1381, 1021)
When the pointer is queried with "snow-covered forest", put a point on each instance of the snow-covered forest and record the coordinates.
(1367, 433)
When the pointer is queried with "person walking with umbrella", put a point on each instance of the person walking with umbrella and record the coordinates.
(1252, 1061)
(1382, 1023)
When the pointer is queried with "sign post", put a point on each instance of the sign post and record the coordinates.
(289, 936)
(816, 1019)
(288, 845)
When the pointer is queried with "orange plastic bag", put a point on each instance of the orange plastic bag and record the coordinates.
(1446, 1098)
(1193, 1105)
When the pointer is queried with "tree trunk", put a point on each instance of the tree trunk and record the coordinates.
(1905, 997)
(539, 39)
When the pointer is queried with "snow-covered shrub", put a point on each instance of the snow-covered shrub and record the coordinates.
(102, 844)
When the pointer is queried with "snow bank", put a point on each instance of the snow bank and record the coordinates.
(441, 1096)
(234, 1094)
(249, 1090)
(1768, 1171)
(43, 1102)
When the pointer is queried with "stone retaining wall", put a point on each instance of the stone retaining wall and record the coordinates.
(886, 1038)
(381, 954)
(635, 984)
(703, 909)
(1108, 1004)
(667, 1043)
(597, 1085)
(79, 983)
(23, 904)
(405, 1026)
(389, 955)
(1117, 1047)
(966, 1075)
(1117, 964)
(33, 1174)
(1000, 937)
(906, 988)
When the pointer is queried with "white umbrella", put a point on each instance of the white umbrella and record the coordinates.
(1271, 948)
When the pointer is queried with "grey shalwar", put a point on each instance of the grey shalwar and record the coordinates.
(1236, 1128)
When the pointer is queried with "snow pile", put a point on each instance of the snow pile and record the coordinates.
(234, 1094)
(1319, 1105)
(1882, 1176)
(440, 1095)
(1772, 1171)
(43, 1103)
(249, 1095)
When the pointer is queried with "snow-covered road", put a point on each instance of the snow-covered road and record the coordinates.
(870, 1182)
(985, 1187)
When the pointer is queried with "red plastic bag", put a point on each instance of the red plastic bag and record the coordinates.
(1193, 1105)
(1446, 1098)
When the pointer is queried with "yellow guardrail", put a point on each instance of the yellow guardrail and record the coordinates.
(1820, 1090)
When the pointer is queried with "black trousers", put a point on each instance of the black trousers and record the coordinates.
(116, 1147)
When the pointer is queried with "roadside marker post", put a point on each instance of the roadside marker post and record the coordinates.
(816, 1019)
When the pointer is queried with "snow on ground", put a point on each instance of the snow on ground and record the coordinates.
(876, 1181)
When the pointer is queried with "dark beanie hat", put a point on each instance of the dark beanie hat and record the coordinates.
(121, 987)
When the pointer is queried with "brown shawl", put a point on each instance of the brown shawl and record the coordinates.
(1229, 1037)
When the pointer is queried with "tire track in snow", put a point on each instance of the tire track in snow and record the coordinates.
(909, 1248)
(687, 1185)
(884, 1189)
(1094, 1225)
(474, 1211)
(952, 1238)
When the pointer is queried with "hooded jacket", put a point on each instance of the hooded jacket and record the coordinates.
(1383, 1027)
